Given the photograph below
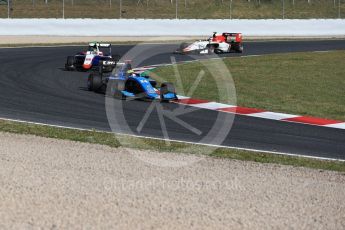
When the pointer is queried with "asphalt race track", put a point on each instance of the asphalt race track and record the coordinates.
(34, 87)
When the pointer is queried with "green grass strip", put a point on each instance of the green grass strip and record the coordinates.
(115, 141)
(309, 83)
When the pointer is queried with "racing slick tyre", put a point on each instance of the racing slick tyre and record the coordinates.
(101, 68)
(70, 63)
(184, 45)
(78, 63)
(116, 58)
(116, 87)
(167, 87)
(239, 48)
(211, 49)
(181, 48)
(106, 68)
(94, 82)
(119, 95)
(218, 51)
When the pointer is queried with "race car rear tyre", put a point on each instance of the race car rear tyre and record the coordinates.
(116, 58)
(102, 69)
(70, 63)
(106, 67)
(94, 82)
(239, 48)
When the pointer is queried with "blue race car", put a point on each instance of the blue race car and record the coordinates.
(124, 83)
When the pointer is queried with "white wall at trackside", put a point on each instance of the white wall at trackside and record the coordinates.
(166, 27)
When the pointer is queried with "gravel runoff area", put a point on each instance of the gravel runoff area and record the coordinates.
(54, 184)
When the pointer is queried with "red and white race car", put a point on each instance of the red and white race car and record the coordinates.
(218, 43)
(93, 58)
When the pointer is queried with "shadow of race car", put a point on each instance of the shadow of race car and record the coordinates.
(124, 83)
(97, 55)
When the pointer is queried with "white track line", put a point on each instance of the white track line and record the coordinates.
(253, 55)
(177, 141)
(322, 51)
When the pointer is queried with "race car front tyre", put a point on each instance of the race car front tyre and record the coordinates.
(183, 45)
(218, 51)
(119, 95)
(213, 49)
(70, 63)
(167, 88)
(181, 48)
(116, 87)
(94, 82)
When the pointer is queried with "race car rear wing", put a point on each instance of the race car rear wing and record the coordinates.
(237, 37)
(104, 45)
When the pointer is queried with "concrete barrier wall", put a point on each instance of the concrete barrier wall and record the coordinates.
(166, 27)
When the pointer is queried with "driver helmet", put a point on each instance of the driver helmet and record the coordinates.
(95, 48)
(131, 73)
